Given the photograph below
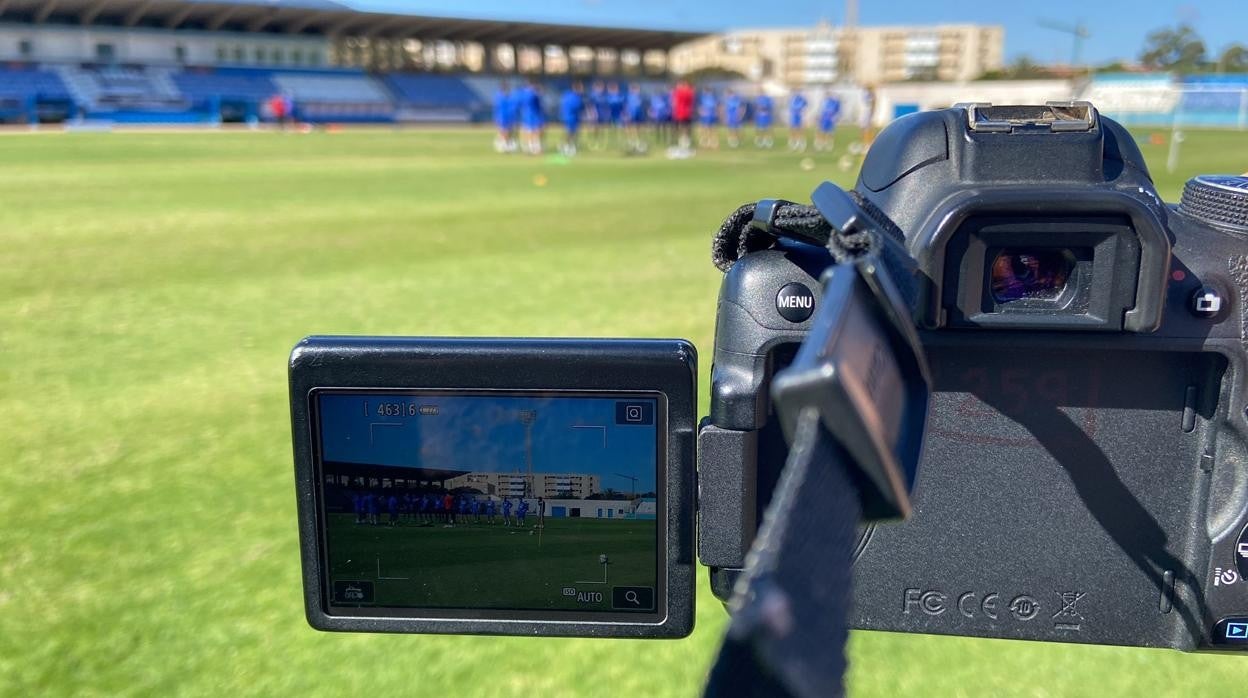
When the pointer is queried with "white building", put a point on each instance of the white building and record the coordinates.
(550, 485)
(864, 55)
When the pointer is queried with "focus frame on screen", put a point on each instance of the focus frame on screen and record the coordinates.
(664, 371)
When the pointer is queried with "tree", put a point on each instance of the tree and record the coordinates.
(1112, 67)
(1179, 49)
(1234, 59)
(1023, 68)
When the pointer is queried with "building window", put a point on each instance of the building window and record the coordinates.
(221, 53)
(238, 54)
(105, 53)
(26, 48)
(296, 56)
(275, 56)
(314, 57)
(259, 55)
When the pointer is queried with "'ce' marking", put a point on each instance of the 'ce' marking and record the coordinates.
(969, 601)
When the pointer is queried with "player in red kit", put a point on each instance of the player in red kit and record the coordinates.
(683, 97)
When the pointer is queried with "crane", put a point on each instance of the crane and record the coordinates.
(632, 482)
(1078, 31)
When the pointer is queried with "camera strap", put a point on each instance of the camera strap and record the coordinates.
(847, 223)
(760, 225)
(790, 610)
(855, 437)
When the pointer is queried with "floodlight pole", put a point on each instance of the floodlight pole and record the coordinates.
(527, 417)
(1176, 138)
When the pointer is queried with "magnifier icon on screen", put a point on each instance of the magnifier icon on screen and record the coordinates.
(631, 597)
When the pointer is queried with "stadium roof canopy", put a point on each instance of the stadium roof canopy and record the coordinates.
(324, 17)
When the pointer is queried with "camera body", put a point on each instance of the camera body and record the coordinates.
(1084, 476)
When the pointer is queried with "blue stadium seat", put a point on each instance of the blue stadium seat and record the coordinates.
(437, 91)
(28, 94)
(26, 82)
(204, 85)
(336, 95)
(326, 94)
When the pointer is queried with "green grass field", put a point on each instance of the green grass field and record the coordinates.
(477, 565)
(151, 287)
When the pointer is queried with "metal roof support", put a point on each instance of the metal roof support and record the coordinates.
(46, 11)
(262, 20)
(220, 19)
(340, 28)
(300, 25)
(255, 25)
(172, 22)
(382, 28)
(93, 12)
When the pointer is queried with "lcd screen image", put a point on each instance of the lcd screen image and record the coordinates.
(490, 501)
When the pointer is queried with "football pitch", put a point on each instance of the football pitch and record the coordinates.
(474, 564)
(151, 287)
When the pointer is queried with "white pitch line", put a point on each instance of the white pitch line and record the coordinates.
(392, 579)
(604, 577)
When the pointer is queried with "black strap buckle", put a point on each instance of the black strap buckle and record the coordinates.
(862, 368)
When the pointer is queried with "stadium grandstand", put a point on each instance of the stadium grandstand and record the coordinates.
(214, 61)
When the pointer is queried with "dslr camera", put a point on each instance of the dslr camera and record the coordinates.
(1084, 465)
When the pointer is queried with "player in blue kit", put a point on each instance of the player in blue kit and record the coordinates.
(521, 511)
(504, 119)
(734, 115)
(489, 512)
(615, 110)
(764, 116)
(659, 112)
(506, 512)
(797, 133)
(357, 506)
(708, 116)
(634, 120)
(571, 110)
(392, 508)
(829, 114)
(532, 119)
(370, 504)
(601, 113)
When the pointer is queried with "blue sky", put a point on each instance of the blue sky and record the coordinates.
(1118, 27)
(485, 434)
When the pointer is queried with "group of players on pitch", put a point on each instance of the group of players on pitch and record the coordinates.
(632, 119)
(431, 508)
